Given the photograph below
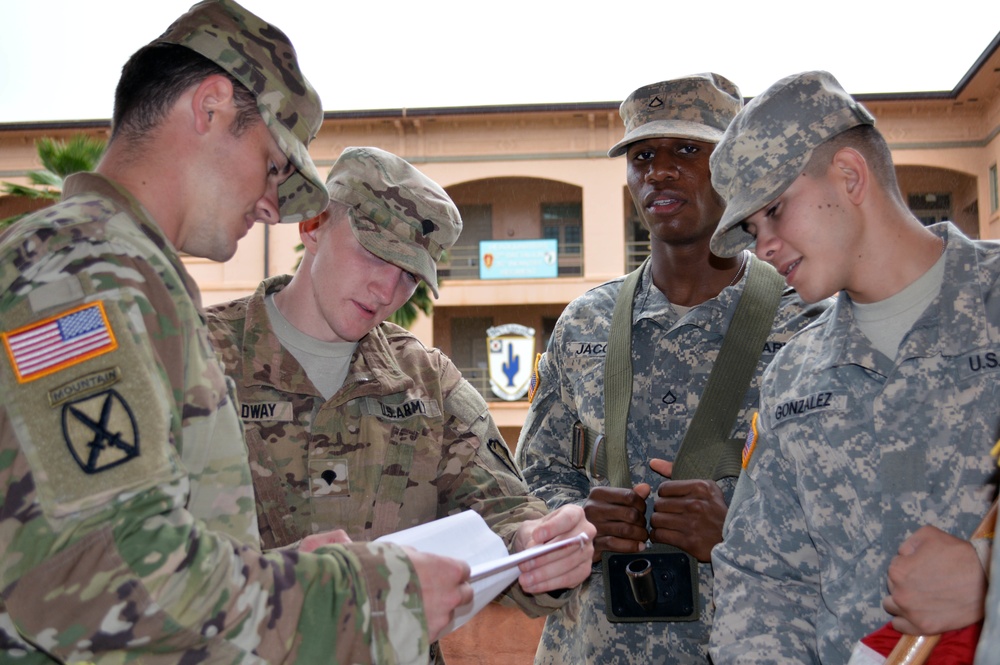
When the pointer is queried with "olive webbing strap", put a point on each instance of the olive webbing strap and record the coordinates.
(707, 445)
(618, 381)
(716, 456)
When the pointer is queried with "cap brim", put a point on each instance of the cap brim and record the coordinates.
(380, 242)
(303, 195)
(665, 129)
(729, 238)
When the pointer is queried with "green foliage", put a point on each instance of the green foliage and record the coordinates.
(60, 159)
(419, 301)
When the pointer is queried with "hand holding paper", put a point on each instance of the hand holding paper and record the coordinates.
(466, 537)
(484, 570)
(563, 568)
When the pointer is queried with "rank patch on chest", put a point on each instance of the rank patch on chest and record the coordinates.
(59, 342)
(329, 478)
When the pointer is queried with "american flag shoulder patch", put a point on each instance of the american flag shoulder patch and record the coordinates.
(535, 380)
(58, 342)
(751, 443)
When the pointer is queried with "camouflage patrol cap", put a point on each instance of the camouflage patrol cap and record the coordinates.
(260, 57)
(769, 144)
(697, 107)
(397, 212)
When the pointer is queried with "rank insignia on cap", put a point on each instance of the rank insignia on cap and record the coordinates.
(751, 443)
(535, 380)
(59, 342)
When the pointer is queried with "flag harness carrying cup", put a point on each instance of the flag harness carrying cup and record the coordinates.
(663, 580)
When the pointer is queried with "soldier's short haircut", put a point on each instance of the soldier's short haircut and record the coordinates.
(868, 141)
(156, 76)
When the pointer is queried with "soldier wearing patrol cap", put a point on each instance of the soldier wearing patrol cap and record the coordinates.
(351, 422)
(678, 317)
(868, 464)
(126, 522)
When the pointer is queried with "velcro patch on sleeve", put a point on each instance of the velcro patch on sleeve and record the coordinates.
(751, 443)
(59, 342)
(536, 379)
(92, 419)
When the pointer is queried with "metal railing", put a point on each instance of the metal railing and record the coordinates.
(462, 261)
(635, 253)
(479, 377)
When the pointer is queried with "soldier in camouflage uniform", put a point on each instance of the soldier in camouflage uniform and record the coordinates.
(869, 463)
(351, 422)
(682, 309)
(126, 517)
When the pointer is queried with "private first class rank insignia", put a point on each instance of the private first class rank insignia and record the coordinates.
(61, 341)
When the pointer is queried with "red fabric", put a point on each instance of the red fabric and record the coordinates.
(957, 647)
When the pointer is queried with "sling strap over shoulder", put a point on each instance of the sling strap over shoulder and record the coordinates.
(707, 451)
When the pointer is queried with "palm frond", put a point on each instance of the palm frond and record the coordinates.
(79, 153)
(28, 192)
(7, 221)
(420, 301)
(60, 159)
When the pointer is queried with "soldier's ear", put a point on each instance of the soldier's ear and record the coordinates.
(212, 101)
(308, 230)
(852, 173)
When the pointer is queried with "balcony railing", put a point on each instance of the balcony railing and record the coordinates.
(479, 377)
(462, 262)
(635, 254)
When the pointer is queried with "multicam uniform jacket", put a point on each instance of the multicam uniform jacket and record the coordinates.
(855, 452)
(671, 359)
(126, 520)
(406, 439)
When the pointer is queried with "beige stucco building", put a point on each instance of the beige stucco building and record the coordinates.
(530, 172)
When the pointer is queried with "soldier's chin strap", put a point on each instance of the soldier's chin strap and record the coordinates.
(714, 455)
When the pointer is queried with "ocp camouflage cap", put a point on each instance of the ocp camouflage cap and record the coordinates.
(397, 212)
(769, 144)
(262, 58)
(697, 107)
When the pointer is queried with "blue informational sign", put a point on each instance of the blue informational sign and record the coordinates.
(518, 259)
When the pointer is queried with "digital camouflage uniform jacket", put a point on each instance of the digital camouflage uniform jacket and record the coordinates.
(125, 515)
(406, 439)
(671, 359)
(855, 452)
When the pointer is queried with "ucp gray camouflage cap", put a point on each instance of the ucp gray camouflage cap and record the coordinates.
(260, 57)
(695, 107)
(769, 144)
(397, 212)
